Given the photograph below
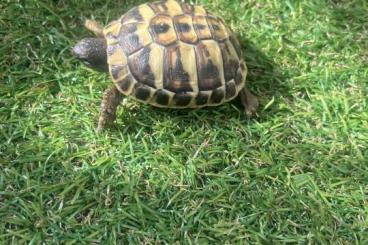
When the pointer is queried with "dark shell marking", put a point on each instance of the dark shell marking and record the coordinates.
(236, 45)
(194, 10)
(217, 95)
(201, 27)
(176, 79)
(230, 89)
(209, 76)
(142, 92)
(201, 99)
(162, 97)
(187, 8)
(217, 28)
(182, 99)
(126, 83)
(140, 68)
(231, 63)
(185, 29)
(132, 16)
(162, 29)
(158, 7)
(129, 40)
(115, 70)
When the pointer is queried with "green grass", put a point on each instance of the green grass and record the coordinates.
(298, 173)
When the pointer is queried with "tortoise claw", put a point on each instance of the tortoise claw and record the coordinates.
(250, 102)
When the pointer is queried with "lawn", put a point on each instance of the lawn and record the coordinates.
(297, 173)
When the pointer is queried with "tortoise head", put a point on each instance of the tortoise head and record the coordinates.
(92, 52)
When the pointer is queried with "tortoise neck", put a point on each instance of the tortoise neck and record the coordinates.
(98, 54)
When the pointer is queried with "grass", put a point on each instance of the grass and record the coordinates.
(296, 174)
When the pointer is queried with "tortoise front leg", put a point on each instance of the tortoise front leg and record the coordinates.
(249, 101)
(110, 101)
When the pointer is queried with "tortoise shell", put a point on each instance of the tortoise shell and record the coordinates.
(177, 55)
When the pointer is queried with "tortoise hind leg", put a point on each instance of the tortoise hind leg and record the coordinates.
(249, 101)
(94, 27)
(110, 101)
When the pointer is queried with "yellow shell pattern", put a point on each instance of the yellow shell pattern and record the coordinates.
(176, 55)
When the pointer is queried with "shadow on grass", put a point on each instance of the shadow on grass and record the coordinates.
(350, 16)
(264, 75)
(265, 78)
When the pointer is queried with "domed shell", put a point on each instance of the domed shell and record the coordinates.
(172, 54)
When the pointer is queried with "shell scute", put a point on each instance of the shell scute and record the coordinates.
(133, 37)
(180, 69)
(182, 99)
(230, 89)
(143, 13)
(162, 29)
(126, 84)
(201, 27)
(217, 28)
(142, 92)
(217, 95)
(184, 28)
(202, 98)
(116, 55)
(209, 65)
(230, 60)
(139, 66)
(162, 97)
(132, 16)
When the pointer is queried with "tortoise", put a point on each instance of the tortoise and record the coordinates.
(167, 54)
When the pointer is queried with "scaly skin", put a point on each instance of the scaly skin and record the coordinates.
(110, 101)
